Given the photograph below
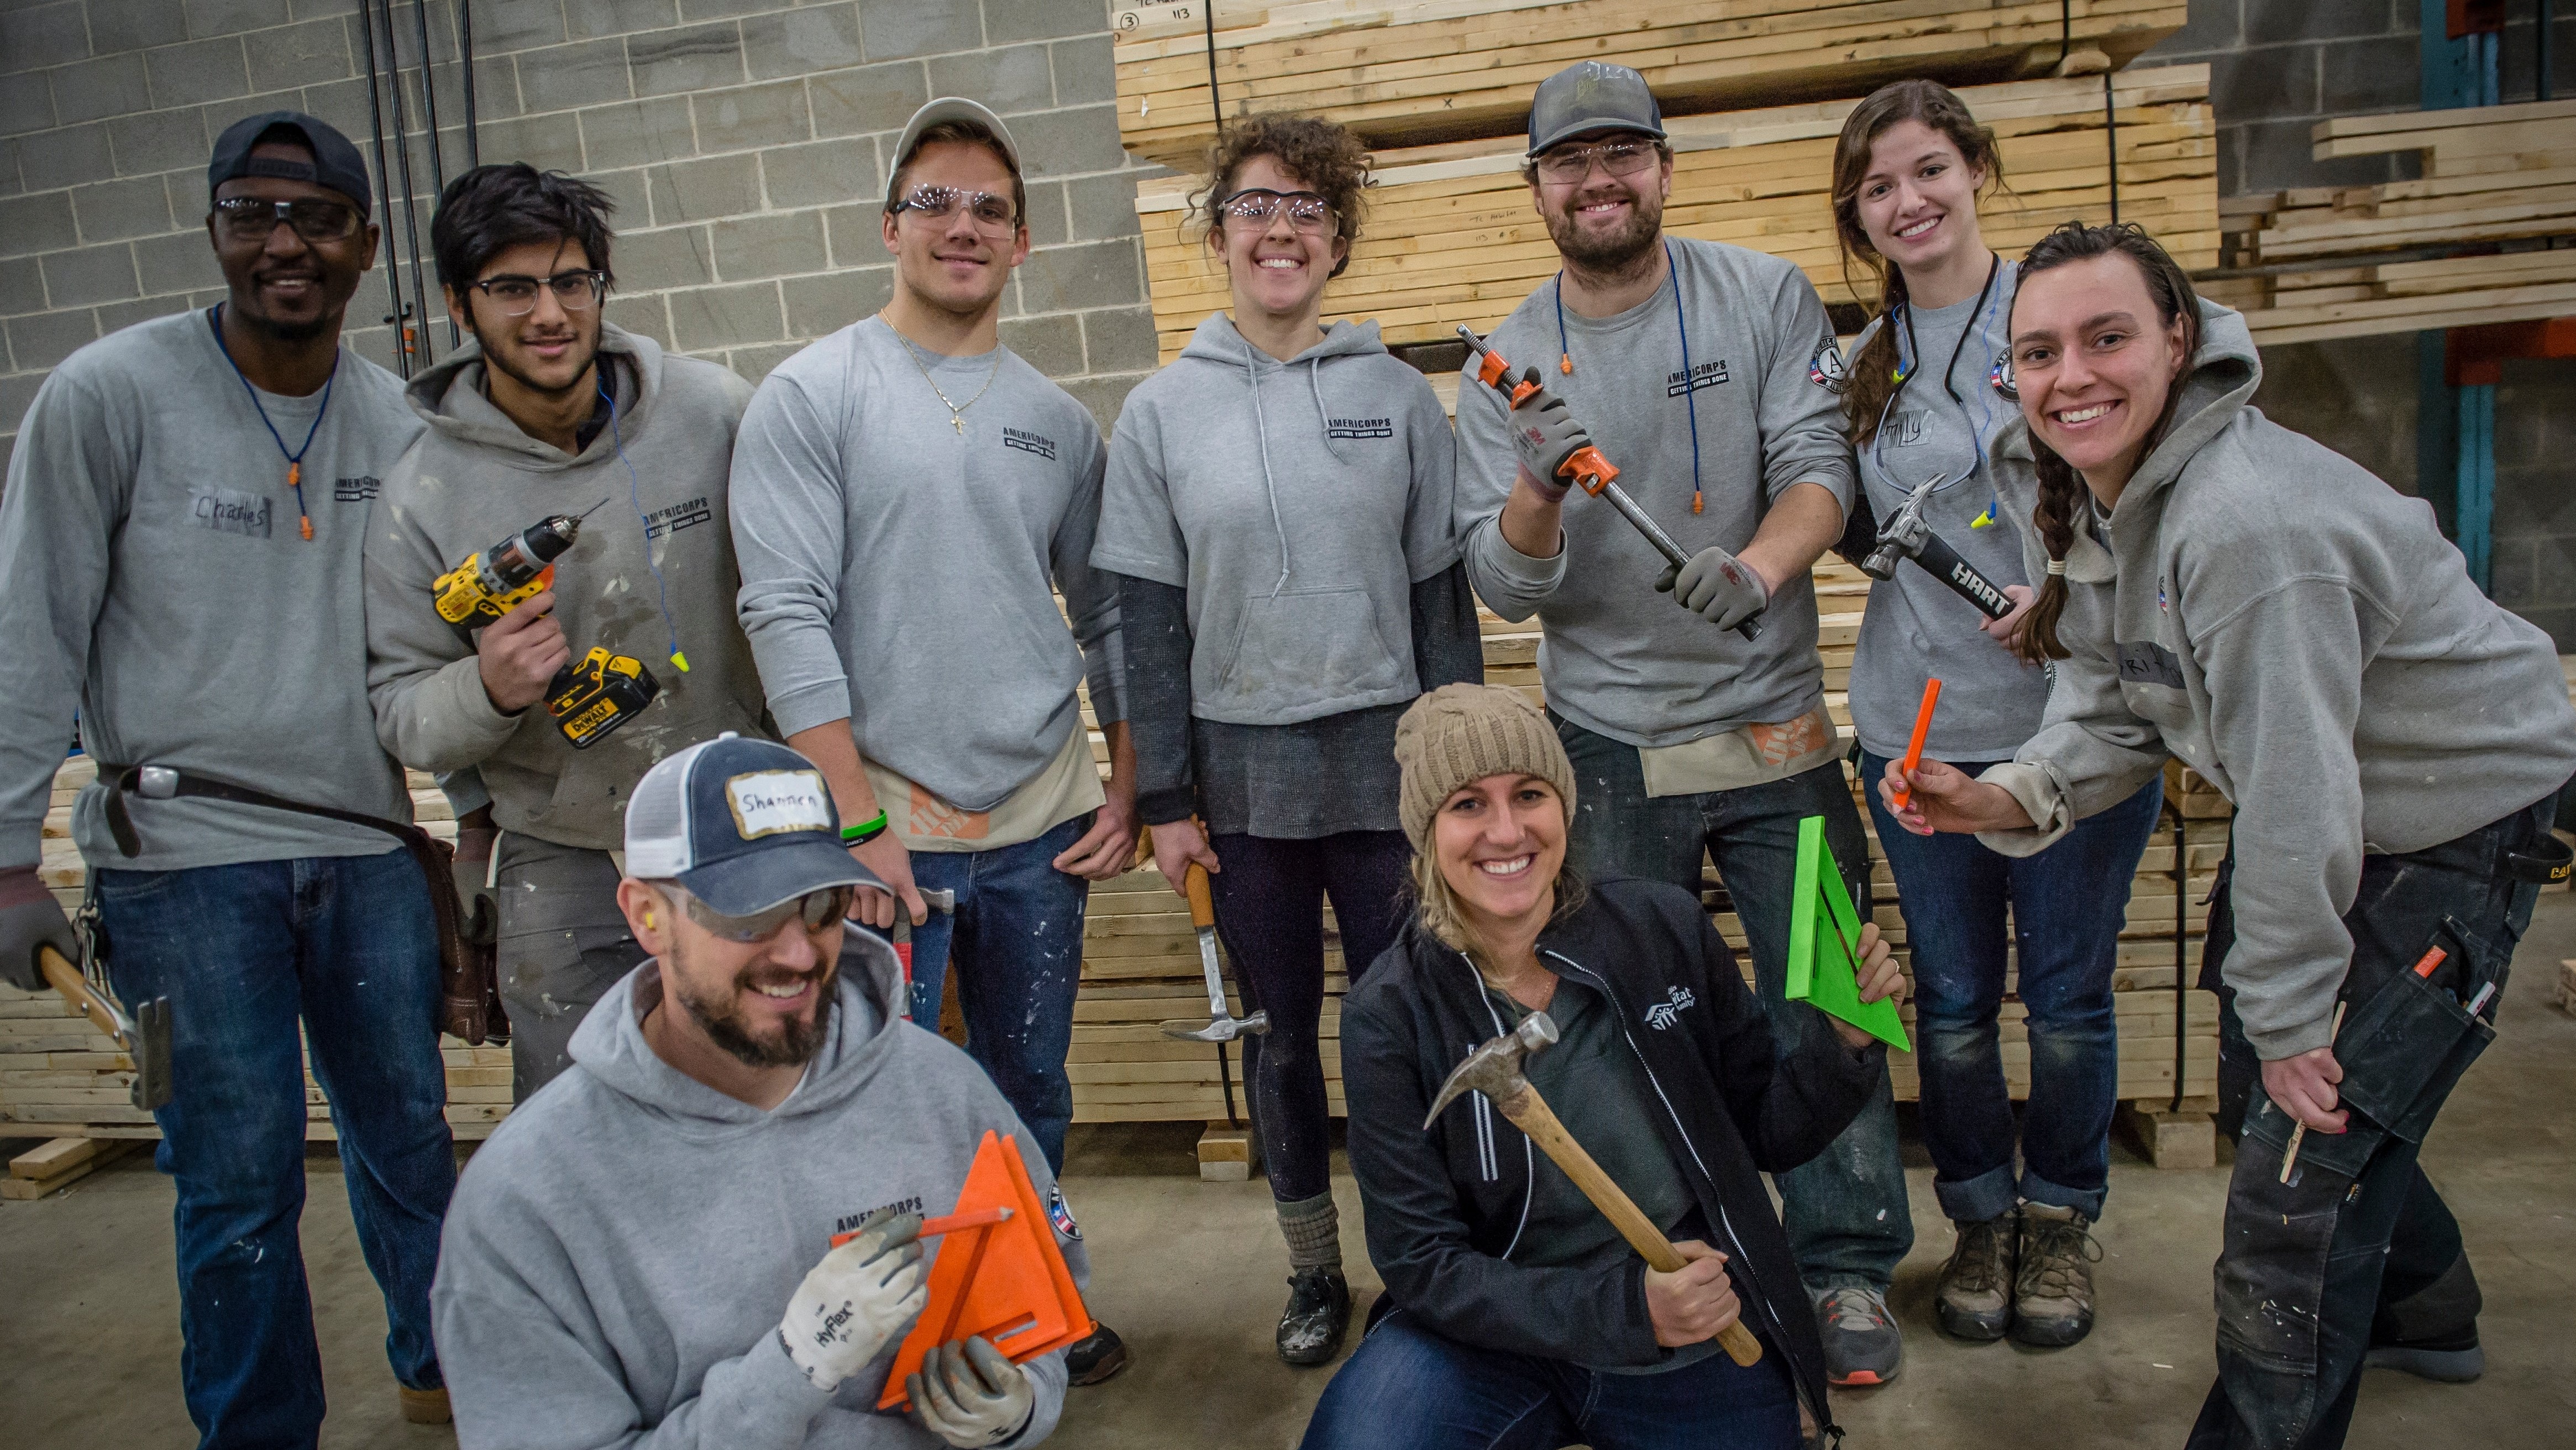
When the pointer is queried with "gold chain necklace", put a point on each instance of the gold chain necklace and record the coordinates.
(956, 411)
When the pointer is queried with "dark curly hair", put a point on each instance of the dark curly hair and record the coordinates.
(1326, 157)
(491, 209)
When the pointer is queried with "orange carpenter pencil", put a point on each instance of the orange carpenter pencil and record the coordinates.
(1914, 747)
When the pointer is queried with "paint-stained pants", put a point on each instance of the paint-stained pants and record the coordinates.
(2308, 1265)
(563, 944)
(1846, 1211)
(1016, 941)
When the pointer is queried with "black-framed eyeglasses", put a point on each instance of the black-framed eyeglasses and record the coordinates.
(815, 909)
(1618, 158)
(1307, 212)
(516, 296)
(994, 216)
(252, 218)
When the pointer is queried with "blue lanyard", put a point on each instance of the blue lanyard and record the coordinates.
(294, 460)
(1989, 297)
(1690, 388)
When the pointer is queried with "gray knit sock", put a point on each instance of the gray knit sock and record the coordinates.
(1314, 1231)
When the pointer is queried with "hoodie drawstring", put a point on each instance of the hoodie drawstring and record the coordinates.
(1261, 429)
(1315, 381)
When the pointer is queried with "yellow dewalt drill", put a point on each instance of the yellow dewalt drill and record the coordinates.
(588, 700)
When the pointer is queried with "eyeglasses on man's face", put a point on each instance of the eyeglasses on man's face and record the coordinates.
(516, 296)
(1573, 163)
(1254, 206)
(993, 215)
(253, 218)
(815, 911)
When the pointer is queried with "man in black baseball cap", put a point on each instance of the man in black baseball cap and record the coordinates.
(180, 565)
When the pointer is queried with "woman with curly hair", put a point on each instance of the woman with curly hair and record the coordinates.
(1278, 511)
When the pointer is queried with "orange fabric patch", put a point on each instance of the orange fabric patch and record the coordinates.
(1790, 739)
(932, 816)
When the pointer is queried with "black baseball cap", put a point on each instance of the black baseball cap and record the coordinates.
(743, 825)
(1592, 95)
(336, 162)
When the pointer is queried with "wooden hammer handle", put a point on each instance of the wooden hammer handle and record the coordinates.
(66, 979)
(1530, 1113)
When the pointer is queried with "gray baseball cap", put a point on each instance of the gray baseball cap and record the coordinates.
(948, 108)
(1592, 95)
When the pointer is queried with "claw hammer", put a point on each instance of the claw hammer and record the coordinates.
(143, 1037)
(1591, 472)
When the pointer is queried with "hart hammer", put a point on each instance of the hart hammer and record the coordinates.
(1907, 536)
(1495, 1069)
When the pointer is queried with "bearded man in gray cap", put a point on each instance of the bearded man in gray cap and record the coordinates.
(179, 565)
(1695, 366)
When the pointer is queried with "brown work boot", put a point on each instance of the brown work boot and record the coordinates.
(424, 1407)
(2053, 1290)
(1975, 1298)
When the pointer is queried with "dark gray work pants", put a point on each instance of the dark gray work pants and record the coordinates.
(563, 943)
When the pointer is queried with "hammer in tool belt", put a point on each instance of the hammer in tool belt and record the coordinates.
(1494, 1069)
(1591, 472)
(143, 1037)
(1907, 536)
(1222, 1025)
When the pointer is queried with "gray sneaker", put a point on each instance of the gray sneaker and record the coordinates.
(1862, 1345)
(2053, 1289)
(1975, 1297)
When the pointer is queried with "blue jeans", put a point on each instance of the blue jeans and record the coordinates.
(1409, 1388)
(1016, 940)
(1845, 1212)
(346, 946)
(2067, 906)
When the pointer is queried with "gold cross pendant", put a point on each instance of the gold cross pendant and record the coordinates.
(958, 421)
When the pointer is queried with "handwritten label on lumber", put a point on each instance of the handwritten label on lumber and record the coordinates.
(1129, 21)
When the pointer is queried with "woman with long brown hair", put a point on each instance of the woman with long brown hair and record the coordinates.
(1926, 394)
(2222, 589)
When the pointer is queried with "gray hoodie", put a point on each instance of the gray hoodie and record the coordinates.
(1298, 503)
(619, 1255)
(475, 478)
(2301, 634)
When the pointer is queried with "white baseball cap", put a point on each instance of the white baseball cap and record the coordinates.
(949, 108)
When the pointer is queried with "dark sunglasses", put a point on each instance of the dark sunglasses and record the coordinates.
(818, 910)
(252, 218)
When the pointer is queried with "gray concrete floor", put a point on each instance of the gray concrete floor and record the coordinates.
(1192, 1274)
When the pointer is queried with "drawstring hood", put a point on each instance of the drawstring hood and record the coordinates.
(1218, 341)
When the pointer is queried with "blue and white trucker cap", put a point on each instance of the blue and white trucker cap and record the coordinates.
(742, 825)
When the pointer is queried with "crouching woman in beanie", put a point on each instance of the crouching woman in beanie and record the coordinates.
(1515, 1314)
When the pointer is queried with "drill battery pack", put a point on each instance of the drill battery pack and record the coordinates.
(591, 699)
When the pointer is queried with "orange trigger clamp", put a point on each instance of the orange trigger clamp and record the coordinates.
(1589, 470)
(1491, 371)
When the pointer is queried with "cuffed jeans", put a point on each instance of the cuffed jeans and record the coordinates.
(345, 945)
(1016, 939)
(2307, 1266)
(1408, 1387)
(1845, 1211)
(2067, 905)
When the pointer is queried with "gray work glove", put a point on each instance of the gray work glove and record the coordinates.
(856, 1300)
(1544, 435)
(1716, 586)
(969, 1395)
(29, 918)
(481, 922)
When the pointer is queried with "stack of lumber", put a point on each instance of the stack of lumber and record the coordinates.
(1451, 236)
(1410, 72)
(2487, 234)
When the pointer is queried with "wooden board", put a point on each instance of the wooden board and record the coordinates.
(1413, 72)
(1451, 236)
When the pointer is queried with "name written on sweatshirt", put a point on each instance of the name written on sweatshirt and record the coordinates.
(1705, 375)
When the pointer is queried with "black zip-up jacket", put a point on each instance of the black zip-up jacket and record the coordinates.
(1445, 1206)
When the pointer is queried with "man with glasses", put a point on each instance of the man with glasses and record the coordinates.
(180, 540)
(708, 1231)
(905, 491)
(553, 411)
(1700, 728)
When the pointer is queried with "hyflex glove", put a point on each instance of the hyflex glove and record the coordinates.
(1717, 586)
(969, 1395)
(859, 1297)
(29, 918)
(1544, 435)
(473, 863)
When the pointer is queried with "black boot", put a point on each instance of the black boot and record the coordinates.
(1318, 1314)
(1096, 1357)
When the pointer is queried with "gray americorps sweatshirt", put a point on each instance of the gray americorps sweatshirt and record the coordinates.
(2302, 634)
(153, 579)
(474, 478)
(618, 1257)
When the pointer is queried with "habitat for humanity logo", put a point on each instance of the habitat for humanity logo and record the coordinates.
(1359, 427)
(1028, 442)
(1663, 1014)
(1706, 375)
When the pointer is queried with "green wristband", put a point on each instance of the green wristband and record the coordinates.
(865, 831)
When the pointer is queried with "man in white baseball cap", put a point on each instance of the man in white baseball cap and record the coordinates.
(649, 1241)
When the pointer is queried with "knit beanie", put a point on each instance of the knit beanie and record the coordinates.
(1462, 733)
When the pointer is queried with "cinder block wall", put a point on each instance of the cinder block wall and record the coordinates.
(745, 142)
(2277, 67)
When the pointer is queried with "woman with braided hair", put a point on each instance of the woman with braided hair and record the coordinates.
(1926, 395)
(2221, 589)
